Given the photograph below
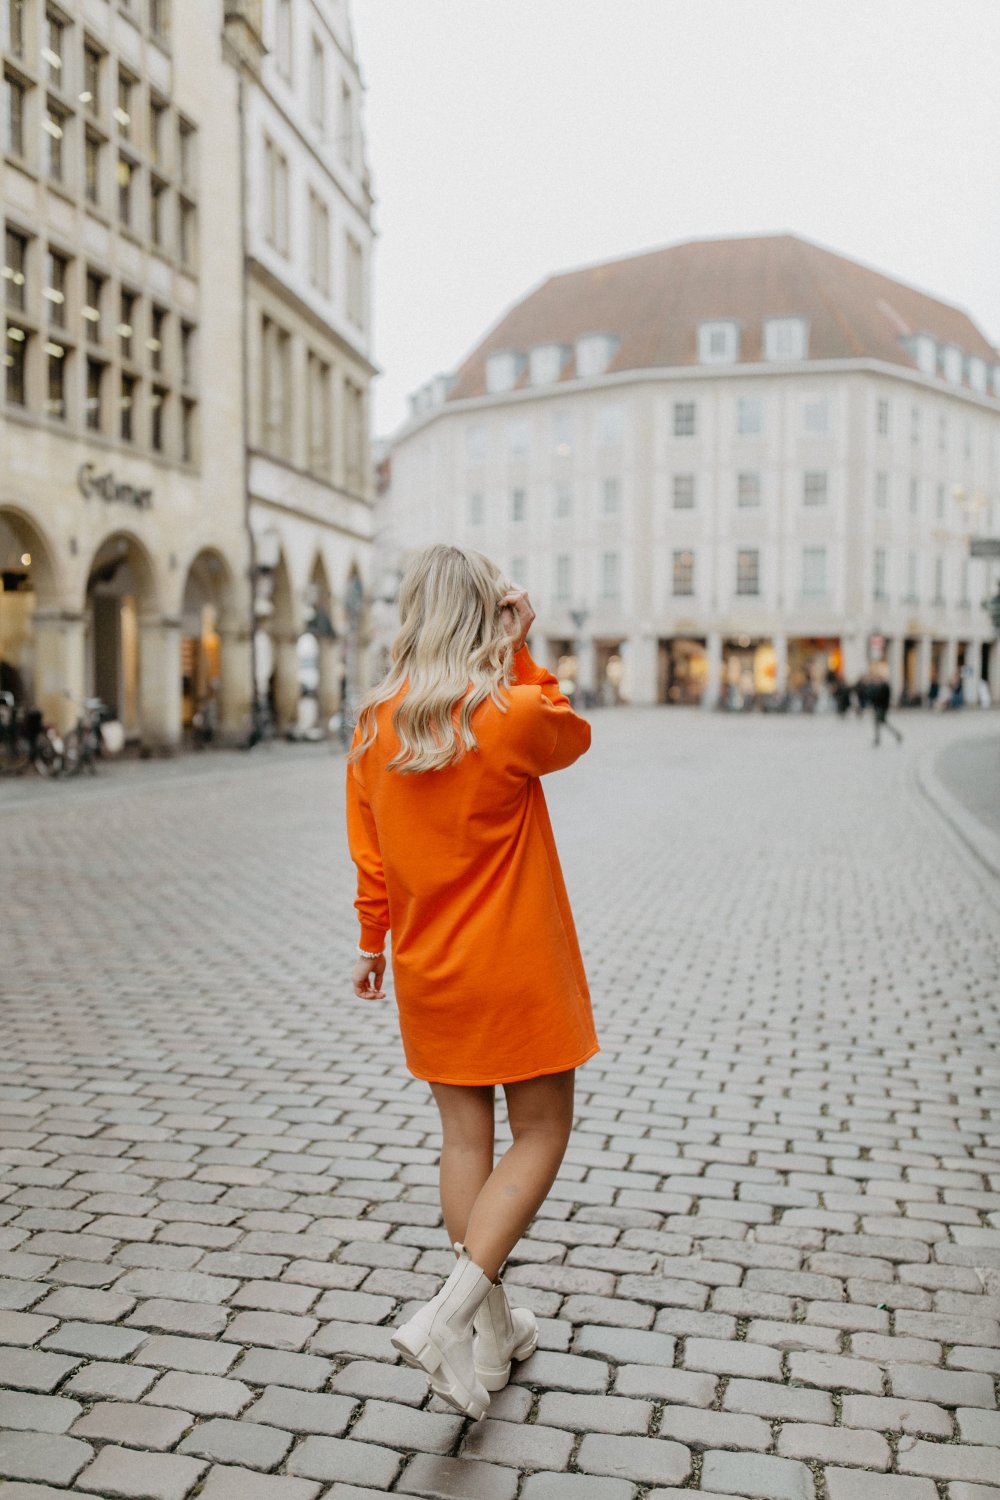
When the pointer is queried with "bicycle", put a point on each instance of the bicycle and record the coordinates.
(26, 739)
(83, 742)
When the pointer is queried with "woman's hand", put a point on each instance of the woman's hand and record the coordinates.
(518, 615)
(366, 976)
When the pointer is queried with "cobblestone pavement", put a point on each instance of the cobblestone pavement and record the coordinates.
(770, 1267)
(970, 768)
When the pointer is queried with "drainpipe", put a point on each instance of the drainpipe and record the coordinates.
(245, 402)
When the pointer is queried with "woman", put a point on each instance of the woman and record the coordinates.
(448, 828)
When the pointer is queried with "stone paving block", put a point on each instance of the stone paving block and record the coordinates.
(32, 1370)
(95, 1340)
(247, 1444)
(947, 1460)
(274, 1296)
(16, 1490)
(366, 1378)
(977, 1426)
(26, 1412)
(306, 1372)
(887, 1414)
(167, 1315)
(835, 1372)
(195, 1355)
(42, 1455)
(944, 1387)
(87, 1304)
(648, 1460)
(567, 1372)
(132, 1425)
(438, 1478)
(768, 1398)
(17, 1295)
(575, 1487)
(852, 1484)
(305, 1412)
(412, 1431)
(625, 1345)
(112, 1381)
(341, 1458)
(204, 1395)
(959, 1490)
(126, 1474)
(700, 1429)
(754, 1361)
(342, 1339)
(830, 1445)
(757, 1476)
(272, 1330)
(612, 1414)
(354, 1307)
(225, 1482)
(518, 1446)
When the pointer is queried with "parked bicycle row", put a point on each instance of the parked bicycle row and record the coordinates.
(26, 741)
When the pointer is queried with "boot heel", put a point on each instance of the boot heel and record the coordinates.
(417, 1351)
(527, 1349)
(494, 1380)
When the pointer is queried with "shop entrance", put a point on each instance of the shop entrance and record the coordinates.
(608, 672)
(814, 664)
(749, 672)
(206, 599)
(119, 591)
(682, 670)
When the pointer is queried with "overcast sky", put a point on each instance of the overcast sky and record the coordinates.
(510, 139)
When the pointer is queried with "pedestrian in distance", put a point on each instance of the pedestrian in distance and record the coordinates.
(455, 857)
(880, 697)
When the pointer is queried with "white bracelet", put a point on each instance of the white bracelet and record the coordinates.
(363, 953)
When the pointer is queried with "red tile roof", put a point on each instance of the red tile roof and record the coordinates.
(654, 302)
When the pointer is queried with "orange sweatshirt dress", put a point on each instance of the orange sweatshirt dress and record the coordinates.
(461, 865)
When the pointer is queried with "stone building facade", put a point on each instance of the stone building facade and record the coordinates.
(724, 470)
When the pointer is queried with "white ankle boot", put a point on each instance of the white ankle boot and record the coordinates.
(438, 1339)
(502, 1333)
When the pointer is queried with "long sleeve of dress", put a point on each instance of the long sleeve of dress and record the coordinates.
(372, 901)
(551, 735)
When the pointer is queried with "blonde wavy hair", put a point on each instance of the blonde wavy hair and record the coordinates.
(455, 647)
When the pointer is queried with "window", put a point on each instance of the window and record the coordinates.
(593, 354)
(355, 282)
(126, 325)
(914, 497)
(611, 567)
(346, 126)
(814, 572)
(926, 353)
(816, 417)
(953, 364)
(158, 213)
(189, 411)
(93, 405)
(475, 445)
(158, 418)
(275, 389)
(318, 391)
(159, 18)
(611, 426)
(126, 183)
(91, 310)
(518, 438)
(55, 125)
(356, 435)
(474, 508)
(123, 106)
(90, 98)
(880, 590)
(683, 574)
(319, 243)
(187, 228)
(881, 491)
(518, 505)
(54, 291)
(564, 578)
(911, 578)
(92, 154)
(15, 268)
(939, 580)
(275, 197)
(718, 343)
(127, 408)
(12, 32)
(502, 368)
(157, 132)
(54, 50)
(188, 355)
(610, 496)
(749, 416)
(14, 96)
(882, 418)
(157, 337)
(564, 501)
(562, 433)
(15, 359)
(747, 490)
(283, 38)
(683, 492)
(785, 338)
(684, 419)
(186, 153)
(748, 571)
(317, 84)
(914, 424)
(814, 487)
(545, 363)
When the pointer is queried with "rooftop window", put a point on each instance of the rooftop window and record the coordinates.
(502, 370)
(719, 342)
(545, 363)
(593, 353)
(785, 338)
(953, 364)
(925, 353)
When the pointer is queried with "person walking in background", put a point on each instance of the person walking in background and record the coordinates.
(880, 698)
(448, 828)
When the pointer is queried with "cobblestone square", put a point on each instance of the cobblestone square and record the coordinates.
(770, 1267)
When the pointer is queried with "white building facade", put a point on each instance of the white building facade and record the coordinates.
(309, 250)
(738, 505)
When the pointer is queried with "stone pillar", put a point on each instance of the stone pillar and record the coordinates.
(894, 657)
(949, 661)
(286, 682)
(923, 666)
(713, 648)
(236, 685)
(60, 665)
(160, 682)
(639, 656)
(780, 663)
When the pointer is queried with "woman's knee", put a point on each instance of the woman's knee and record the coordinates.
(542, 1107)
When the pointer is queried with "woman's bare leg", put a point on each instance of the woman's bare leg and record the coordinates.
(467, 1126)
(540, 1111)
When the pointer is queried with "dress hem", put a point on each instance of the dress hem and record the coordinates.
(479, 1083)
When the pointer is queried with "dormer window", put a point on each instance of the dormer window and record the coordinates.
(545, 363)
(953, 364)
(593, 353)
(977, 373)
(719, 342)
(785, 338)
(995, 380)
(925, 353)
(502, 370)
